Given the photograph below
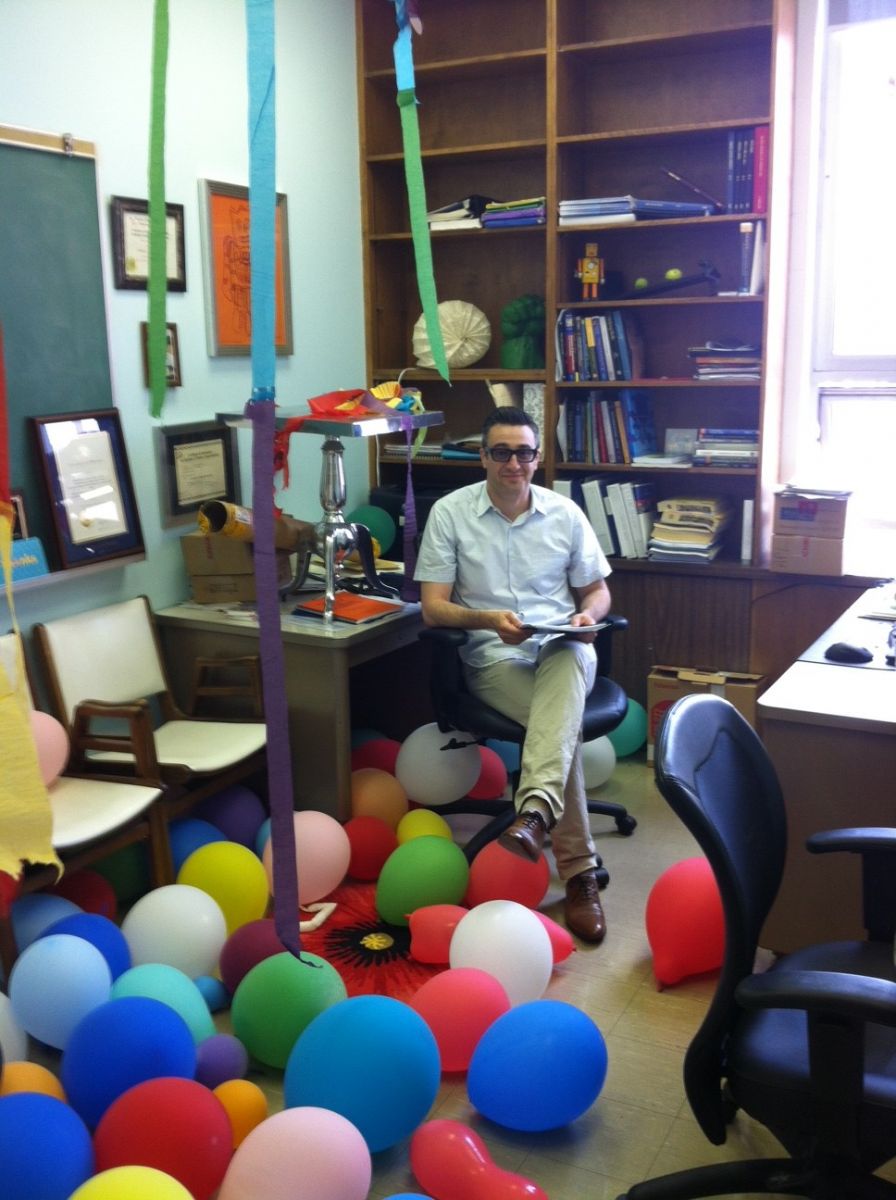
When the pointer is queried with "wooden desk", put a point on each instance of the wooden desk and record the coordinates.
(830, 730)
(337, 676)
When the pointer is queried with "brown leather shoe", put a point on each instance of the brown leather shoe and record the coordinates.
(584, 914)
(526, 835)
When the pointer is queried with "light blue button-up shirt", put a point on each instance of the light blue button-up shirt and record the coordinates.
(528, 566)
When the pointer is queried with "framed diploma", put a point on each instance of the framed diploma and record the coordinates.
(130, 244)
(89, 488)
(197, 463)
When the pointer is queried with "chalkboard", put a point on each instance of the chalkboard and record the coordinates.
(52, 306)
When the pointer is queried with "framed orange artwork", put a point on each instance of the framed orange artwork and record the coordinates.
(225, 229)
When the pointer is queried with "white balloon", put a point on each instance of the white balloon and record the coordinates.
(508, 941)
(13, 1038)
(179, 925)
(436, 768)
(598, 761)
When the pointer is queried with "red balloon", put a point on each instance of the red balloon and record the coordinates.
(372, 840)
(431, 929)
(496, 874)
(378, 752)
(458, 1006)
(562, 944)
(175, 1125)
(246, 948)
(492, 780)
(685, 922)
(91, 891)
(9, 891)
(451, 1162)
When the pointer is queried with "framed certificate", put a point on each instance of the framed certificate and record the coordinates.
(130, 244)
(197, 463)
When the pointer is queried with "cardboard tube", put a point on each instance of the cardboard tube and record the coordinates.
(233, 520)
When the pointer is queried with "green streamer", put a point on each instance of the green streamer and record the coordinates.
(413, 173)
(158, 226)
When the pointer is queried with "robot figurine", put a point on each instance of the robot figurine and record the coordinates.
(590, 270)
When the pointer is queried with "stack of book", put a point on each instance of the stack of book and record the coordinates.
(461, 214)
(726, 360)
(726, 447)
(690, 529)
(619, 210)
(514, 213)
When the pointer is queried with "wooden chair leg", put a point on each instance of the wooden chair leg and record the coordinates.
(161, 864)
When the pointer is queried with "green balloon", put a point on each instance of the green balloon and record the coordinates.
(631, 734)
(423, 871)
(377, 520)
(277, 999)
(128, 872)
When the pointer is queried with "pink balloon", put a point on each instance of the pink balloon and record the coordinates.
(431, 929)
(562, 944)
(300, 1152)
(51, 743)
(459, 1005)
(452, 1162)
(492, 779)
(685, 922)
(323, 852)
(496, 874)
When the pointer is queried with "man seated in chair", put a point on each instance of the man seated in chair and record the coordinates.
(495, 556)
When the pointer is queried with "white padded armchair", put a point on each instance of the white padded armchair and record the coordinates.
(105, 672)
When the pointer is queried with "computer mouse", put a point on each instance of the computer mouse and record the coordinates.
(848, 652)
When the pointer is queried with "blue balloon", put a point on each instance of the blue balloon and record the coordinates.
(55, 984)
(46, 1152)
(371, 1059)
(187, 835)
(409, 1196)
(100, 932)
(508, 752)
(34, 913)
(261, 838)
(538, 1067)
(122, 1043)
(214, 993)
(159, 981)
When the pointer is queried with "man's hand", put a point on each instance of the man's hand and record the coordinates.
(584, 620)
(509, 628)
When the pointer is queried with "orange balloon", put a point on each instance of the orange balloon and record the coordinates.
(30, 1077)
(376, 793)
(685, 922)
(246, 1106)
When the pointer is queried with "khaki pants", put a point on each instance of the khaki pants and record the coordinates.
(548, 697)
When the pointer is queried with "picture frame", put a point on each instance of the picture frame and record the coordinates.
(172, 357)
(197, 462)
(224, 211)
(130, 244)
(87, 477)
(19, 520)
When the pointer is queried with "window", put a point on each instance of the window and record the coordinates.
(846, 422)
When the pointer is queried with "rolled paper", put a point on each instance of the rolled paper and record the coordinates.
(233, 520)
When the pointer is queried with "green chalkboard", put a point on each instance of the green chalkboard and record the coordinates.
(52, 306)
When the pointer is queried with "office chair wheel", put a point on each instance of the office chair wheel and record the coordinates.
(730, 1106)
(603, 877)
(626, 825)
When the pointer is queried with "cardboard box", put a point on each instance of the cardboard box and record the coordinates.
(665, 685)
(222, 570)
(808, 514)
(807, 555)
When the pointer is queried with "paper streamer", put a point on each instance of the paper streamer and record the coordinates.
(403, 58)
(261, 411)
(157, 286)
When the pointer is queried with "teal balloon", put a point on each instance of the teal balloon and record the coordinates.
(508, 752)
(423, 871)
(377, 520)
(158, 981)
(632, 733)
(360, 736)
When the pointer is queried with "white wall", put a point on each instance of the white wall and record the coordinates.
(83, 66)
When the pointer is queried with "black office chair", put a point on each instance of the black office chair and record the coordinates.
(807, 1048)
(456, 708)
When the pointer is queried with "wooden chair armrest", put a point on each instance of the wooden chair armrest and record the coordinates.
(137, 740)
(214, 679)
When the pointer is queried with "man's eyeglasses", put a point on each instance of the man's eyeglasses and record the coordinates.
(503, 454)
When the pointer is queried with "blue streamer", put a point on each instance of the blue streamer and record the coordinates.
(262, 188)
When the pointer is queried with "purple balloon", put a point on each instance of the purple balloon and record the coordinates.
(219, 1058)
(236, 811)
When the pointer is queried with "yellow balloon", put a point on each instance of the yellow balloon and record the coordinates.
(29, 1077)
(233, 876)
(422, 822)
(131, 1183)
(246, 1105)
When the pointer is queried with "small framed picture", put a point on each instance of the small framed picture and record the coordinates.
(130, 244)
(89, 487)
(172, 355)
(197, 463)
(19, 523)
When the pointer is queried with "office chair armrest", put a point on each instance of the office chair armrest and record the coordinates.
(855, 997)
(441, 635)
(137, 741)
(216, 679)
(856, 841)
(876, 845)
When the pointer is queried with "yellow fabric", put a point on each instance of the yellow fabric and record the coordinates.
(26, 823)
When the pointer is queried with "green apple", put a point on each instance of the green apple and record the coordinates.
(641, 283)
(673, 273)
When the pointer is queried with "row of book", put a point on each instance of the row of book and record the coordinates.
(601, 346)
(746, 178)
(620, 513)
(620, 210)
(689, 529)
(607, 429)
